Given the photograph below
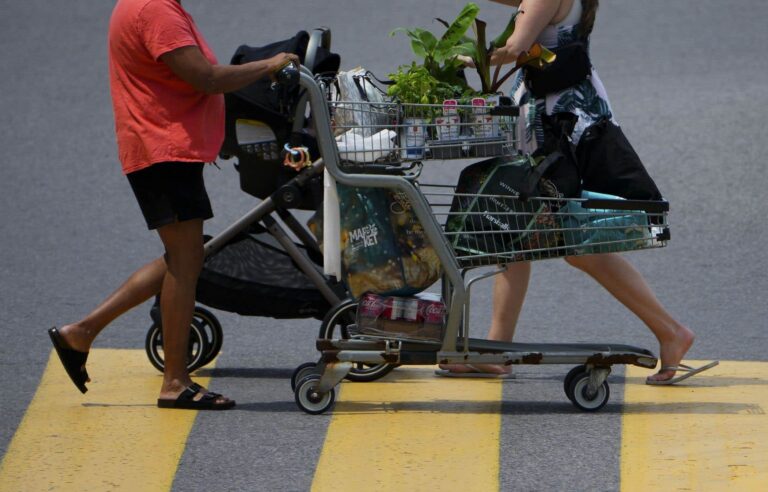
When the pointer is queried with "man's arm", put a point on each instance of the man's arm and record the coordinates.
(191, 66)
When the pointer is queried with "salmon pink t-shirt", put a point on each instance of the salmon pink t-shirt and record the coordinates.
(158, 116)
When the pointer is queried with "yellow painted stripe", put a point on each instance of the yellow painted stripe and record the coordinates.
(710, 434)
(413, 431)
(112, 437)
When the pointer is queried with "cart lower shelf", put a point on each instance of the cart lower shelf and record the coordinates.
(585, 385)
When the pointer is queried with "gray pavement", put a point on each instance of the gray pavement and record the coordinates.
(687, 82)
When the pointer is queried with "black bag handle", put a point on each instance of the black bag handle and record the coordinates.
(537, 173)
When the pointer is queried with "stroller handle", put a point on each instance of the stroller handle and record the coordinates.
(287, 76)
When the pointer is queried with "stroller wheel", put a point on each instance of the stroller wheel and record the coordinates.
(214, 335)
(198, 346)
(335, 325)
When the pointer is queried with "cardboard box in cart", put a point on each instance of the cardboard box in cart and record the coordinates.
(421, 317)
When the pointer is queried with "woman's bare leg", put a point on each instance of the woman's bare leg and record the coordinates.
(627, 285)
(509, 291)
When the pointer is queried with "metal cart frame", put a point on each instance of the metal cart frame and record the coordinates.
(585, 385)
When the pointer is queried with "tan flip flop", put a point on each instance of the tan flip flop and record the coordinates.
(686, 369)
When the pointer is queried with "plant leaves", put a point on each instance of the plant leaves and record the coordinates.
(428, 40)
(483, 59)
(458, 27)
(501, 39)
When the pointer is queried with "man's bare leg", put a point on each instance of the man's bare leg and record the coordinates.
(140, 286)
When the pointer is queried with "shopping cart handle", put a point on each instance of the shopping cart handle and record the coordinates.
(644, 205)
(505, 111)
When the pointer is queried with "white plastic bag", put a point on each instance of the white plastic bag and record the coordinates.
(358, 102)
(355, 147)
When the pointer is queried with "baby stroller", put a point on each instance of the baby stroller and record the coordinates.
(255, 267)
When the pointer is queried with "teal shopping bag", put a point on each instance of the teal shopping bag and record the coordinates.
(383, 246)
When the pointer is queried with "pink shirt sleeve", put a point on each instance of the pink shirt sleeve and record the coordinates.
(164, 27)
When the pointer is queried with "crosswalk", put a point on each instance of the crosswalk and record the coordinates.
(408, 431)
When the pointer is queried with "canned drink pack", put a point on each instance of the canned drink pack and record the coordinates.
(420, 317)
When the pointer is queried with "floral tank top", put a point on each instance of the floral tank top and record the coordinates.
(588, 99)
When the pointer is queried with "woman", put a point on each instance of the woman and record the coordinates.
(554, 23)
(166, 87)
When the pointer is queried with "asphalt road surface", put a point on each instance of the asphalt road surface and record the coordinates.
(687, 82)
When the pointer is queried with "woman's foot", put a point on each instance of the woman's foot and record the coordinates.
(672, 352)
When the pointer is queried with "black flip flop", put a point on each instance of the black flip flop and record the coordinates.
(72, 360)
(186, 400)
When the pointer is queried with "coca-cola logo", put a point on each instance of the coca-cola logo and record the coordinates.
(371, 305)
(434, 310)
(370, 302)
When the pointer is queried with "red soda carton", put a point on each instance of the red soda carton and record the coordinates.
(431, 309)
(371, 306)
(416, 318)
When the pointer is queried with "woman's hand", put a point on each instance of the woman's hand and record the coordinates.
(467, 61)
(504, 55)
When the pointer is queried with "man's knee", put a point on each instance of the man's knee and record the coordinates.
(188, 260)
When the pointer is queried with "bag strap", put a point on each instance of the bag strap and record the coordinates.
(538, 173)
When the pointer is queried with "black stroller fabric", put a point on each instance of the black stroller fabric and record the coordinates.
(261, 174)
(253, 276)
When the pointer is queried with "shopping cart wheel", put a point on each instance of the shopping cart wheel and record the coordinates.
(580, 395)
(569, 378)
(335, 325)
(309, 399)
(301, 372)
(214, 335)
(198, 346)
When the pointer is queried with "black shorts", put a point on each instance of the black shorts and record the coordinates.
(170, 192)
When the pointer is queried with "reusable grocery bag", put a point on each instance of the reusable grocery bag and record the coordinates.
(383, 246)
(498, 213)
(592, 231)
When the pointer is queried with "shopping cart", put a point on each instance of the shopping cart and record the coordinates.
(466, 230)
